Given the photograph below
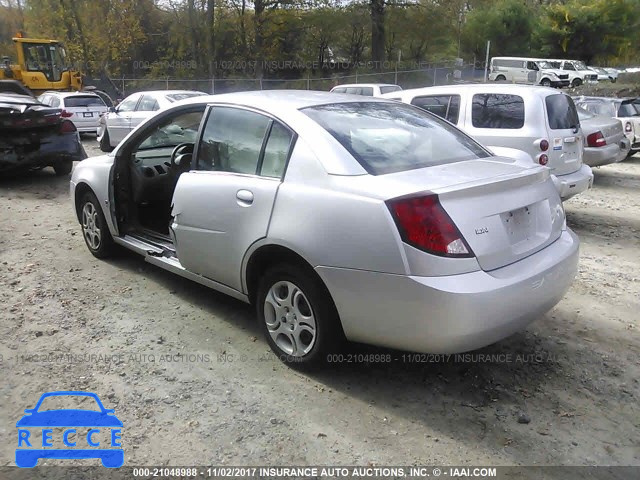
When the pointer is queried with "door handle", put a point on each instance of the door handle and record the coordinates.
(245, 197)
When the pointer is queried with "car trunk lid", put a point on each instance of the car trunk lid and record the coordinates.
(504, 212)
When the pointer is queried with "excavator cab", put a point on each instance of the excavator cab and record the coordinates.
(42, 65)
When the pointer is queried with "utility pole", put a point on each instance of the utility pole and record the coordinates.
(486, 60)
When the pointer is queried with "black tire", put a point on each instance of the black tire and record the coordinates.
(500, 78)
(105, 146)
(545, 82)
(104, 246)
(63, 168)
(576, 82)
(329, 336)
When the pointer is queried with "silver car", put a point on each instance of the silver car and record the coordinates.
(337, 217)
(137, 107)
(82, 108)
(513, 120)
(625, 110)
(604, 139)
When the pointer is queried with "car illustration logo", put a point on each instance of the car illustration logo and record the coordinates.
(69, 433)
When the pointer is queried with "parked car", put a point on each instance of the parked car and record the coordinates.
(34, 136)
(335, 216)
(122, 119)
(539, 121)
(626, 110)
(605, 75)
(578, 72)
(82, 108)
(604, 139)
(366, 89)
(531, 71)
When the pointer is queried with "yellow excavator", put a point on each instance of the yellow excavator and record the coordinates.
(42, 64)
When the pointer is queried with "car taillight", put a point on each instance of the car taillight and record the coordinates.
(627, 127)
(596, 139)
(424, 224)
(67, 127)
(543, 159)
(544, 145)
(66, 114)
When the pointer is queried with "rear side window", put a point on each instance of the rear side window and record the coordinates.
(390, 88)
(276, 151)
(497, 110)
(445, 106)
(84, 101)
(561, 112)
(394, 137)
(339, 90)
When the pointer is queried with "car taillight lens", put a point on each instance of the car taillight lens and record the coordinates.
(544, 145)
(596, 140)
(424, 224)
(627, 127)
(65, 114)
(543, 159)
(67, 127)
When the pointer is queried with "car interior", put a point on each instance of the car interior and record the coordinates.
(154, 168)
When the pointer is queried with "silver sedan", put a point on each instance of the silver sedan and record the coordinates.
(604, 138)
(337, 217)
(116, 124)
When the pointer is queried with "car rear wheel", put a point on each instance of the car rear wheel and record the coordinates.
(103, 139)
(63, 168)
(500, 78)
(297, 316)
(94, 227)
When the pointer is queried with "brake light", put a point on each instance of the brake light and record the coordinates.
(67, 127)
(627, 127)
(596, 140)
(543, 159)
(424, 224)
(544, 145)
(66, 114)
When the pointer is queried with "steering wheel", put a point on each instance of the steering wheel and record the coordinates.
(180, 150)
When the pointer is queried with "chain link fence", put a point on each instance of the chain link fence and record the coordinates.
(426, 75)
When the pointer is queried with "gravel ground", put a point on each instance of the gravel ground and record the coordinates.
(565, 391)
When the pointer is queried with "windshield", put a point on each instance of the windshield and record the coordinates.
(580, 65)
(545, 65)
(628, 109)
(84, 101)
(393, 137)
(390, 88)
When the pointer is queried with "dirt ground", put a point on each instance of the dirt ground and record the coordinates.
(194, 383)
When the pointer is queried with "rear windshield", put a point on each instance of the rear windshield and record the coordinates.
(561, 112)
(84, 101)
(390, 88)
(175, 97)
(584, 114)
(393, 137)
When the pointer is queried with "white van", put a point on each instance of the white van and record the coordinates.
(532, 71)
(578, 72)
(536, 124)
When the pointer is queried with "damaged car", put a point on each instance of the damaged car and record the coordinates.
(34, 136)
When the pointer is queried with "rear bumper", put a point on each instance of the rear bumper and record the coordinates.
(573, 183)
(456, 313)
(598, 156)
(53, 149)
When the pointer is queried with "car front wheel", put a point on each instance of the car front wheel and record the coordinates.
(94, 227)
(576, 82)
(297, 316)
(103, 139)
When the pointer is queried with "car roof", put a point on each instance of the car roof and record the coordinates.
(70, 94)
(367, 85)
(480, 88)
(275, 99)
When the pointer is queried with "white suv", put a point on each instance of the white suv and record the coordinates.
(578, 72)
(82, 108)
(533, 123)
